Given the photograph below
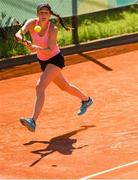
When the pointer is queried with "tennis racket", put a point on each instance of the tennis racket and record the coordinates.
(16, 22)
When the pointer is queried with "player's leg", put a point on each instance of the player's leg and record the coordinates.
(47, 76)
(63, 84)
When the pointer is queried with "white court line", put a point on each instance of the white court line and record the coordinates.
(109, 170)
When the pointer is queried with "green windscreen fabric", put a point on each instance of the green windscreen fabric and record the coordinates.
(25, 9)
(88, 6)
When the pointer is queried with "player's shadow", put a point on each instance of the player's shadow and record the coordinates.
(62, 144)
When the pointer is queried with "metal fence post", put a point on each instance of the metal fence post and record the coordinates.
(75, 22)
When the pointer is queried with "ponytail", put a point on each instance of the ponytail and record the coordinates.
(59, 19)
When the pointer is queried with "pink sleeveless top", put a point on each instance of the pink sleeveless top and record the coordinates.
(43, 42)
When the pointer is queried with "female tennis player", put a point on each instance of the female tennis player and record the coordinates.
(51, 61)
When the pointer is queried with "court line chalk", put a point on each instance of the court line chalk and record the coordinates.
(108, 170)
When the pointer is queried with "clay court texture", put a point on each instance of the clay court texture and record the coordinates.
(101, 144)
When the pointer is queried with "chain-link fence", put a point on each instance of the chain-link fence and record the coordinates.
(25, 9)
(72, 10)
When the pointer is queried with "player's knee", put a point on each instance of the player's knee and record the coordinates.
(40, 89)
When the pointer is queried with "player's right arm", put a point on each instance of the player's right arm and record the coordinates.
(27, 27)
(23, 30)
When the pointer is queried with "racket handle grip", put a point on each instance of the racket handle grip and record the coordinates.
(25, 42)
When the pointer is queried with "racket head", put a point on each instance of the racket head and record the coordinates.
(16, 22)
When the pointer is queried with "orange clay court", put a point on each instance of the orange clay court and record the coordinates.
(101, 144)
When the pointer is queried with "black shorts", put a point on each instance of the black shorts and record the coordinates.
(57, 60)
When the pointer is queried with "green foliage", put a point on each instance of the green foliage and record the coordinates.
(91, 27)
(103, 24)
(108, 23)
(8, 46)
(64, 37)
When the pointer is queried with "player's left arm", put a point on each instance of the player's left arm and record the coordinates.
(52, 39)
